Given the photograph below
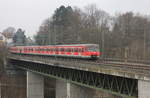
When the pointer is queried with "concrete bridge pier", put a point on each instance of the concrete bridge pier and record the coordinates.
(69, 90)
(35, 85)
(143, 89)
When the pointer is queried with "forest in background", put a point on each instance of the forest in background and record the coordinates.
(120, 36)
(124, 35)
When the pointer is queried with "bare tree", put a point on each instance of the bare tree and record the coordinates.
(95, 26)
(129, 34)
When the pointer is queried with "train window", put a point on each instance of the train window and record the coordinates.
(57, 49)
(93, 48)
(85, 49)
(54, 49)
(62, 49)
(72, 50)
(82, 50)
(76, 49)
(69, 50)
(50, 49)
(79, 50)
(47, 50)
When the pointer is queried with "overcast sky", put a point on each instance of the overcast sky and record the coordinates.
(29, 14)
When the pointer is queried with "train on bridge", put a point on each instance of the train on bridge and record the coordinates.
(86, 51)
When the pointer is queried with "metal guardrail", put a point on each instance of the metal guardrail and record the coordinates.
(107, 63)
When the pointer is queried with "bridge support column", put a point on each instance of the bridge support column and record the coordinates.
(143, 89)
(35, 85)
(69, 90)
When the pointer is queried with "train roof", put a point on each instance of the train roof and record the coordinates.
(78, 45)
(60, 45)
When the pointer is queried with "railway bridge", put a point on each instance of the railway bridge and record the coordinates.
(129, 80)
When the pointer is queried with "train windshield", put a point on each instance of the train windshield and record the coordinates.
(93, 48)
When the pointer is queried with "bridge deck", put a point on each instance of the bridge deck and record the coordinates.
(127, 70)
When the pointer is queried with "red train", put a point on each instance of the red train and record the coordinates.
(75, 50)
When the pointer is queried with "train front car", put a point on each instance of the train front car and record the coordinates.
(93, 51)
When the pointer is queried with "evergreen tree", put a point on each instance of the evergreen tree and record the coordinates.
(19, 37)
